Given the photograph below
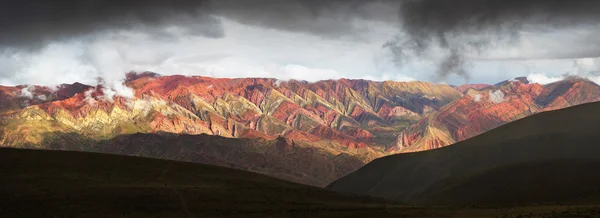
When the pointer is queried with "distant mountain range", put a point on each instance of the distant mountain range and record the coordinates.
(311, 133)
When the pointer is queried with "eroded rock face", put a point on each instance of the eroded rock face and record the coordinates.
(351, 120)
(345, 112)
(464, 88)
(18, 97)
(481, 110)
(335, 118)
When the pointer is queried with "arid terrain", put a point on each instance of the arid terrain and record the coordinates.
(312, 133)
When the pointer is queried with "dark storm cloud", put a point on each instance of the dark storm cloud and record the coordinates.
(31, 23)
(422, 17)
(442, 22)
(462, 27)
(332, 18)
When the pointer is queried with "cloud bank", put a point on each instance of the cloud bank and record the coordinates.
(452, 32)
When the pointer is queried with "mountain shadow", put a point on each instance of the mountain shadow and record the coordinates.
(545, 158)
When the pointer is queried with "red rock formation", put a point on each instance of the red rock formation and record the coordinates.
(343, 118)
(352, 113)
(480, 111)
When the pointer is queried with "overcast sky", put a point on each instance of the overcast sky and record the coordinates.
(474, 41)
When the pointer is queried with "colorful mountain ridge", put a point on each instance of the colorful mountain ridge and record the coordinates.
(353, 119)
(308, 132)
(481, 110)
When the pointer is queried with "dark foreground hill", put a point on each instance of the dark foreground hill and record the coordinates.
(549, 157)
(36, 183)
(59, 183)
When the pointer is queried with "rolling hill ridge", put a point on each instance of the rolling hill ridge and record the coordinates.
(545, 158)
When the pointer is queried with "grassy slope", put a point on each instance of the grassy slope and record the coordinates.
(554, 180)
(427, 177)
(39, 183)
(59, 182)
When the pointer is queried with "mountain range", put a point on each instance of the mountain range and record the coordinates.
(47, 183)
(483, 108)
(540, 166)
(307, 132)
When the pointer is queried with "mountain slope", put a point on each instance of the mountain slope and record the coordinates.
(39, 183)
(352, 113)
(281, 158)
(547, 181)
(562, 143)
(481, 110)
(278, 158)
(337, 124)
